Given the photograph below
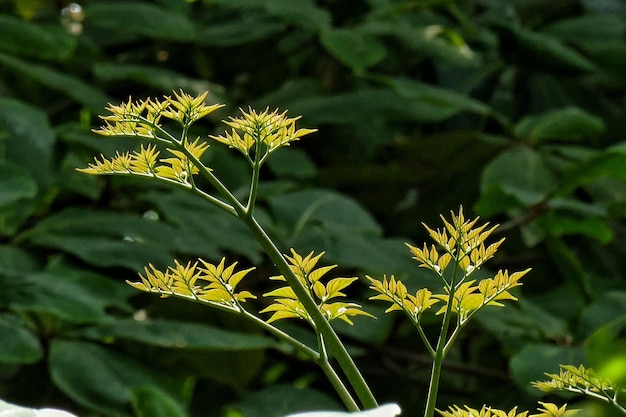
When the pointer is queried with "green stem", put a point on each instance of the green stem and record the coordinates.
(322, 325)
(440, 352)
(256, 169)
(332, 376)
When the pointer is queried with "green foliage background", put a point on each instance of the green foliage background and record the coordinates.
(513, 108)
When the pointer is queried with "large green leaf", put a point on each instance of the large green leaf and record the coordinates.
(15, 260)
(304, 13)
(72, 295)
(142, 19)
(204, 227)
(163, 79)
(102, 378)
(568, 124)
(520, 172)
(71, 85)
(607, 307)
(441, 103)
(109, 238)
(17, 343)
(150, 401)
(521, 323)
(280, 400)
(534, 360)
(180, 335)
(30, 142)
(250, 27)
(332, 210)
(353, 48)
(588, 28)
(608, 163)
(606, 350)
(426, 35)
(353, 107)
(561, 224)
(19, 37)
(543, 51)
(16, 184)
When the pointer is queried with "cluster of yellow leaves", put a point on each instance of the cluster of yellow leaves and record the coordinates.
(575, 379)
(468, 297)
(462, 245)
(146, 162)
(272, 130)
(287, 305)
(546, 410)
(460, 242)
(142, 118)
(209, 283)
(396, 293)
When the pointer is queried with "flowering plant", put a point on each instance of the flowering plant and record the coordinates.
(459, 249)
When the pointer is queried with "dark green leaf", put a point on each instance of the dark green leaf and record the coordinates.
(608, 163)
(102, 378)
(109, 238)
(521, 323)
(150, 401)
(179, 335)
(606, 350)
(534, 360)
(70, 85)
(332, 210)
(428, 38)
(250, 28)
(520, 172)
(164, 80)
(588, 28)
(16, 184)
(75, 296)
(17, 343)
(14, 261)
(304, 13)
(280, 400)
(569, 265)
(444, 103)
(607, 307)
(353, 48)
(548, 52)
(31, 139)
(568, 124)
(616, 7)
(19, 37)
(142, 19)
(559, 224)
(291, 163)
(202, 225)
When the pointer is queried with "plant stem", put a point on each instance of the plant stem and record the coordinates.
(344, 359)
(322, 325)
(440, 352)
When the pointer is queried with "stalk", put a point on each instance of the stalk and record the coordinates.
(440, 351)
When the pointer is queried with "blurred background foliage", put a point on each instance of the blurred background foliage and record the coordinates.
(513, 108)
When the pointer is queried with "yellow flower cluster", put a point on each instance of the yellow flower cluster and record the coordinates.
(546, 410)
(287, 305)
(462, 244)
(177, 168)
(575, 379)
(397, 294)
(209, 283)
(271, 130)
(142, 118)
